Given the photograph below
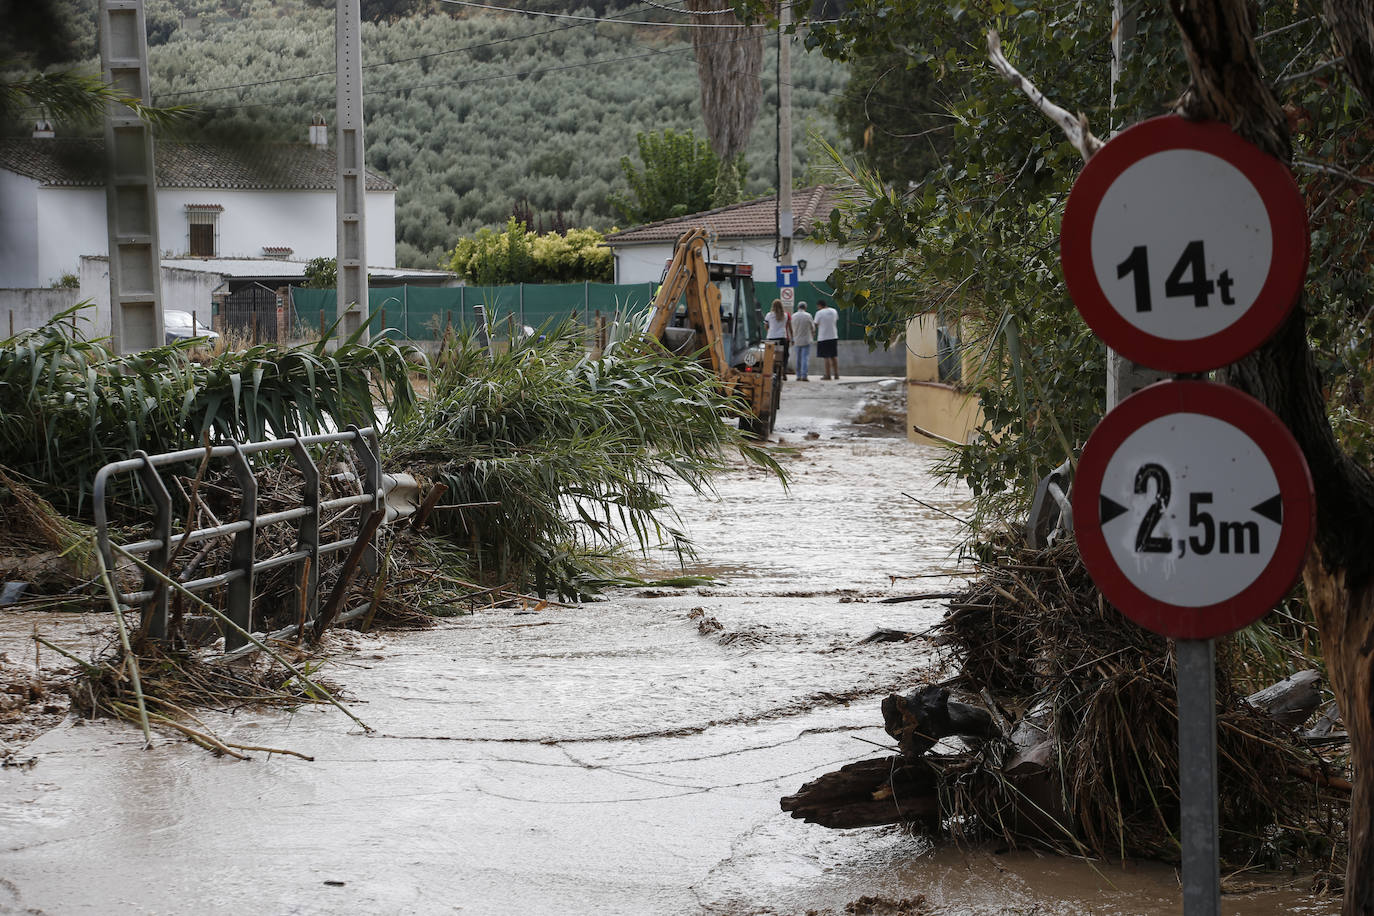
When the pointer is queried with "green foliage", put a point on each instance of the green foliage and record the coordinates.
(578, 254)
(560, 458)
(976, 238)
(383, 10)
(321, 273)
(515, 255)
(678, 176)
(67, 406)
(728, 179)
(67, 281)
(896, 114)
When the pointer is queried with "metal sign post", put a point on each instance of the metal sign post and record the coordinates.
(1195, 660)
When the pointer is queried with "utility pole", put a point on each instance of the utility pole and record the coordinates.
(784, 134)
(130, 183)
(351, 174)
(1124, 377)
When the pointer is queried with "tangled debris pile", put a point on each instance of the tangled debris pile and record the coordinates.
(1070, 736)
(543, 462)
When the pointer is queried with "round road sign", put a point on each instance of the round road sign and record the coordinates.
(1193, 509)
(1183, 246)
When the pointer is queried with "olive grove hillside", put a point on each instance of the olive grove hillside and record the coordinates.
(470, 111)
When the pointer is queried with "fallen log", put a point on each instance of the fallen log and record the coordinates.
(921, 718)
(1292, 700)
(869, 793)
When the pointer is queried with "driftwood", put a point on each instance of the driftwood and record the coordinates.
(906, 788)
(921, 718)
(869, 793)
(1292, 700)
(900, 789)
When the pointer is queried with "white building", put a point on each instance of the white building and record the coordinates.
(261, 200)
(743, 233)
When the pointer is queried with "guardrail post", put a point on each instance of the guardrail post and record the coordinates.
(155, 611)
(365, 447)
(238, 594)
(308, 532)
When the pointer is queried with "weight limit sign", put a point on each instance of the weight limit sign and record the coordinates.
(1183, 246)
(1193, 509)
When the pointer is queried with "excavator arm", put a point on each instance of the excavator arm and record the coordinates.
(689, 273)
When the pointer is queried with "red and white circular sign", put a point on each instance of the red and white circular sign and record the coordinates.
(1193, 509)
(1184, 247)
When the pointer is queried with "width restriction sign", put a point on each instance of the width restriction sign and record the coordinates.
(1193, 507)
(1183, 246)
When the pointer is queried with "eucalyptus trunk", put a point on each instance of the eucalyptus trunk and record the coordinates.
(1218, 37)
(728, 63)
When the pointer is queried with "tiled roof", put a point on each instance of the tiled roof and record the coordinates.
(749, 220)
(257, 166)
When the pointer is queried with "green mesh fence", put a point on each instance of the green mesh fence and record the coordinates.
(421, 312)
(851, 322)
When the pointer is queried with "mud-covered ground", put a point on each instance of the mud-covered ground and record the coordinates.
(622, 757)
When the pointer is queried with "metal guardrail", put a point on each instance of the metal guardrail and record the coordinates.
(238, 578)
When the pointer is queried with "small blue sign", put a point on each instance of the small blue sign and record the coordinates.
(787, 275)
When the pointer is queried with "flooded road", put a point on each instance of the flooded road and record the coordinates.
(622, 757)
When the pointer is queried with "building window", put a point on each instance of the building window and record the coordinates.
(202, 225)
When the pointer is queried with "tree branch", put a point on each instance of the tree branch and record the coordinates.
(1351, 25)
(1075, 127)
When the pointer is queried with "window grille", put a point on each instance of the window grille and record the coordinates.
(202, 229)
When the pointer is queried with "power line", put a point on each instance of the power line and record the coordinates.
(674, 9)
(491, 78)
(671, 25)
(393, 61)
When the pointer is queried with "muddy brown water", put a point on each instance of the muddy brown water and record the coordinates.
(614, 758)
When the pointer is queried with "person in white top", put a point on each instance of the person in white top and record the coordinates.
(803, 335)
(828, 339)
(778, 330)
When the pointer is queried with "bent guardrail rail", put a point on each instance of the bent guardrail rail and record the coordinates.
(238, 578)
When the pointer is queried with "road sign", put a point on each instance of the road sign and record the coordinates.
(788, 295)
(1184, 246)
(1193, 508)
(787, 276)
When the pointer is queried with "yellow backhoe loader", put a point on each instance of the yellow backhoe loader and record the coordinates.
(708, 308)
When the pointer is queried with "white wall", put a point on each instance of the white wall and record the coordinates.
(644, 263)
(187, 290)
(18, 241)
(301, 220)
(24, 309)
(71, 223)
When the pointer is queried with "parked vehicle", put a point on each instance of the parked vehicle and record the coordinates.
(179, 325)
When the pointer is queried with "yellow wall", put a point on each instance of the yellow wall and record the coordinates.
(940, 409)
(921, 364)
(931, 404)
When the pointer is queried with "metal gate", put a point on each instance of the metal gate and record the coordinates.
(251, 313)
(238, 579)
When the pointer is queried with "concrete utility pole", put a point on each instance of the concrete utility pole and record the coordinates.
(784, 135)
(351, 175)
(130, 183)
(1124, 377)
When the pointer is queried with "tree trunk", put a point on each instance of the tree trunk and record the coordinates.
(1218, 37)
(728, 64)
(1345, 617)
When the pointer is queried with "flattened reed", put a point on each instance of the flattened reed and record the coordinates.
(1033, 632)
